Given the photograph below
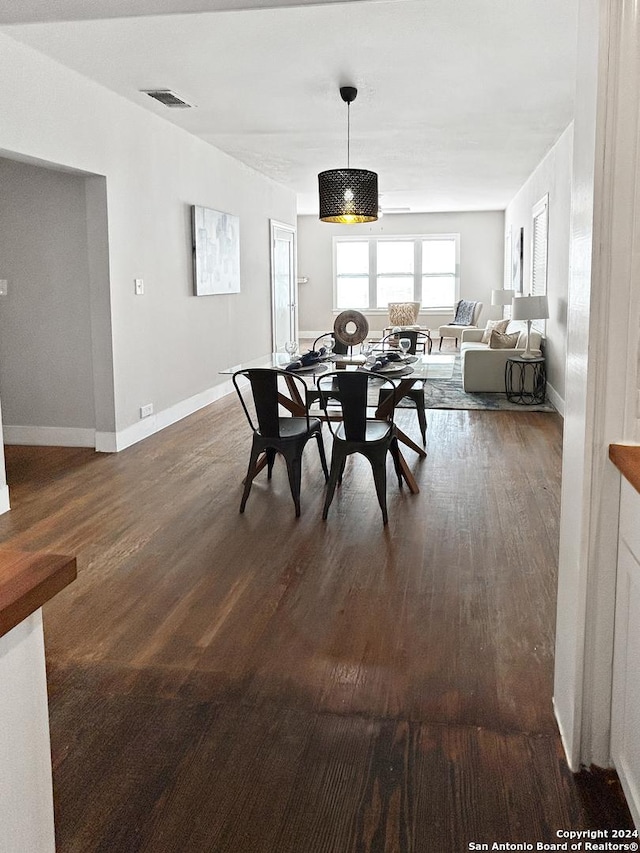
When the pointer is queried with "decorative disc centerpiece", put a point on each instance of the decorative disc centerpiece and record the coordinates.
(355, 321)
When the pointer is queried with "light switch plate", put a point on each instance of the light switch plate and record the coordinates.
(139, 286)
(4, 286)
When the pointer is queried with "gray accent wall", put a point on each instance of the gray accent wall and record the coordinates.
(46, 363)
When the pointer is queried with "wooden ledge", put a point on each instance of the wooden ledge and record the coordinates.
(27, 581)
(626, 458)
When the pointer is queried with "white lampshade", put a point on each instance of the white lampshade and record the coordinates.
(530, 308)
(501, 297)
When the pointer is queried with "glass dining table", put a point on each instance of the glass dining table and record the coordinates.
(422, 368)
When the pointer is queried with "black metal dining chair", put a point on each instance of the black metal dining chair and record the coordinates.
(354, 432)
(273, 433)
(419, 341)
(416, 392)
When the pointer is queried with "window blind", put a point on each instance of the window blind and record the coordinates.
(539, 253)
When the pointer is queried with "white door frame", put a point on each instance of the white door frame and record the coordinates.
(602, 374)
(275, 225)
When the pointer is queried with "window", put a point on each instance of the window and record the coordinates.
(539, 251)
(395, 262)
(352, 274)
(439, 280)
(371, 272)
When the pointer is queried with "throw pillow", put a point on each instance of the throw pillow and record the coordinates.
(464, 313)
(402, 314)
(497, 325)
(500, 340)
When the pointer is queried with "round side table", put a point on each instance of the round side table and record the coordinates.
(521, 386)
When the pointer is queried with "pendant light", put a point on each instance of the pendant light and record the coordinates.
(348, 196)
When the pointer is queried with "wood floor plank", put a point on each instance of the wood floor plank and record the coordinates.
(238, 683)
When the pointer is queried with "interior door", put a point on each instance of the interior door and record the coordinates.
(284, 288)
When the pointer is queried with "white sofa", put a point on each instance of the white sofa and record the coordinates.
(482, 367)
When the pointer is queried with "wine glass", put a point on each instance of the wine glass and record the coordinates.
(291, 347)
(405, 345)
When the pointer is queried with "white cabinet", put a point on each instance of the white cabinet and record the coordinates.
(625, 723)
(26, 794)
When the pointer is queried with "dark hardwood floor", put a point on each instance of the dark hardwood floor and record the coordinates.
(255, 683)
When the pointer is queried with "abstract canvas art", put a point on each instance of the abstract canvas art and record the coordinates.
(216, 251)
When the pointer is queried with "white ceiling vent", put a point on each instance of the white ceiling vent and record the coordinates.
(167, 97)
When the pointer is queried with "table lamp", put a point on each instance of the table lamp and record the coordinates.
(529, 308)
(500, 298)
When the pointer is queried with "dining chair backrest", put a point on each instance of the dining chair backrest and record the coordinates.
(350, 388)
(339, 346)
(264, 391)
(416, 337)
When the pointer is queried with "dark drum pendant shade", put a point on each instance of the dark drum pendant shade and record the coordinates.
(348, 196)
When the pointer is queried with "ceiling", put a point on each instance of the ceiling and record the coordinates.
(458, 99)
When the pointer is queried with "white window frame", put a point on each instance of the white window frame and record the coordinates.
(417, 240)
(540, 254)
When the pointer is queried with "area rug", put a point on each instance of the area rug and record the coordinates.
(447, 393)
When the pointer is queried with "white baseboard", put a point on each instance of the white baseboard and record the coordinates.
(555, 399)
(106, 442)
(49, 436)
(112, 442)
(4, 499)
(572, 760)
(630, 788)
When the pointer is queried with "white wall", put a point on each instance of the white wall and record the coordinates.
(481, 260)
(46, 374)
(553, 177)
(168, 346)
(570, 624)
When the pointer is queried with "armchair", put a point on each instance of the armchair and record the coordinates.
(455, 330)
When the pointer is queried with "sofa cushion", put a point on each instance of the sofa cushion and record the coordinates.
(536, 339)
(498, 325)
(500, 340)
(473, 345)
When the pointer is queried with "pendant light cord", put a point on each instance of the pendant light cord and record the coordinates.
(348, 131)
